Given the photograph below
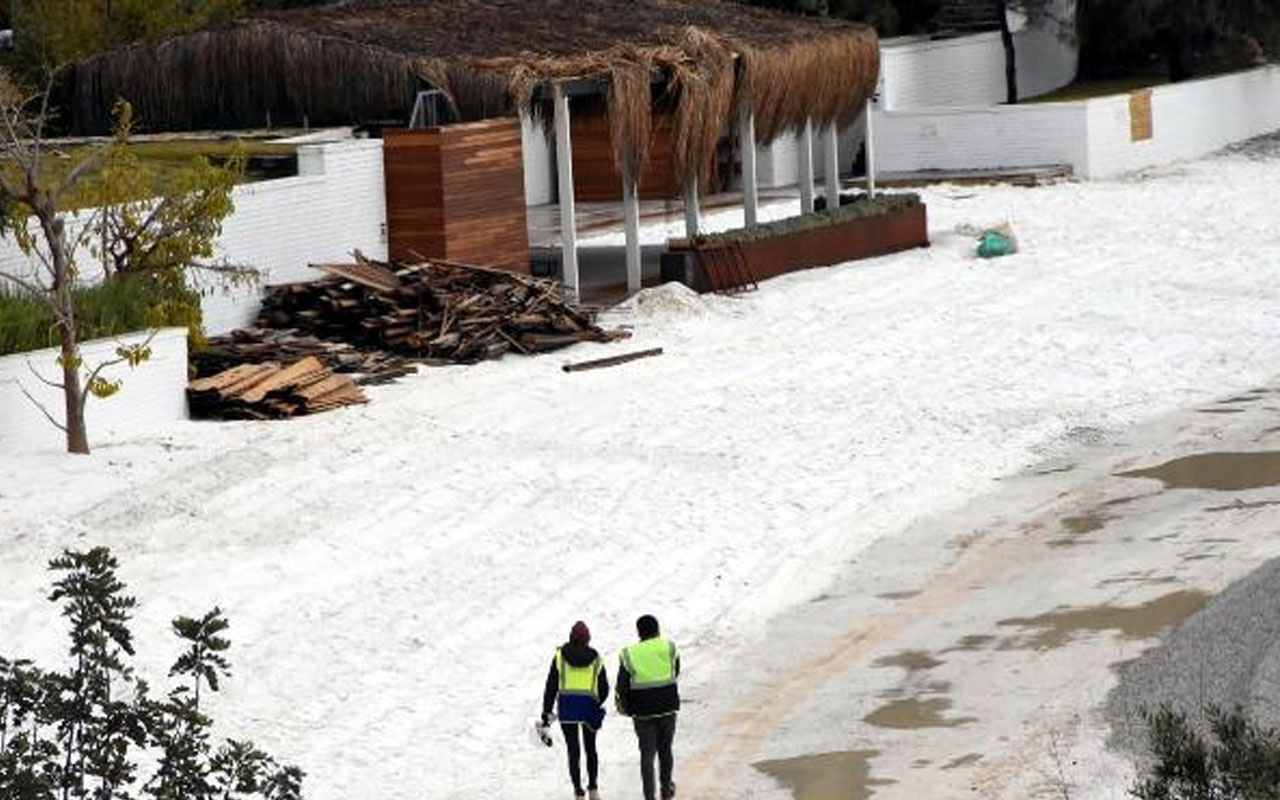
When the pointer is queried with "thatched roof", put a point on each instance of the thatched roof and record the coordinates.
(359, 60)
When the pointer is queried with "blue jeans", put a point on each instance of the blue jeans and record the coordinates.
(655, 736)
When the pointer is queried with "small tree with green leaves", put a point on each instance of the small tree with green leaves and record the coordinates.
(80, 733)
(1241, 760)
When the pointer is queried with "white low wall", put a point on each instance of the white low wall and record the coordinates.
(336, 204)
(1093, 137)
(919, 72)
(151, 395)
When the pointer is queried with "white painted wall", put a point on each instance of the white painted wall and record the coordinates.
(1190, 120)
(336, 204)
(919, 72)
(150, 396)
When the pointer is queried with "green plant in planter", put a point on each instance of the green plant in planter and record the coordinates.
(860, 207)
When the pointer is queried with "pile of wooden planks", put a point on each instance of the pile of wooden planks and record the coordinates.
(436, 311)
(259, 345)
(270, 391)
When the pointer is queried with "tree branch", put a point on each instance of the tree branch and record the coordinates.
(39, 406)
(93, 376)
(43, 379)
(25, 283)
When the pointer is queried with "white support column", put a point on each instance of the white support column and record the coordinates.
(750, 186)
(831, 164)
(564, 171)
(631, 226)
(806, 167)
(692, 214)
(871, 155)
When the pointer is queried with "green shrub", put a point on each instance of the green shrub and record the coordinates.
(861, 207)
(118, 306)
(1241, 762)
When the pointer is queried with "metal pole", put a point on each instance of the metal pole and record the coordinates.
(692, 214)
(871, 155)
(831, 165)
(564, 172)
(631, 225)
(750, 187)
(806, 167)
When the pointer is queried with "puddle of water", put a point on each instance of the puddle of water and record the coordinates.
(963, 761)
(910, 660)
(1139, 577)
(1069, 542)
(916, 713)
(1057, 628)
(1201, 556)
(826, 776)
(1121, 501)
(972, 642)
(1252, 397)
(1086, 523)
(1240, 505)
(1221, 410)
(1223, 472)
(904, 595)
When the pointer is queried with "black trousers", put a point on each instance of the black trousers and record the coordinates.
(655, 737)
(571, 731)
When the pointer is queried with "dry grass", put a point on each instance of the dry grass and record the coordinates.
(366, 59)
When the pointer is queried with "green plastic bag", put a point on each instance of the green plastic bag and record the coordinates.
(994, 245)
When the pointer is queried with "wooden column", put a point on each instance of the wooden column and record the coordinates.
(564, 172)
(831, 165)
(871, 155)
(806, 167)
(631, 225)
(747, 143)
(692, 214)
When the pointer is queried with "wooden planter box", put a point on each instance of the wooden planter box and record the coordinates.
(457, 192)
(825, 246)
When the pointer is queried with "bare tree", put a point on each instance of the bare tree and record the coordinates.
(33, 196)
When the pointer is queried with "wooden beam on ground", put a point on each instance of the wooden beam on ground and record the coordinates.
(831, 164)
(806, 167)
(631, 225)
(612, 361)
(750, 187)
(564, 172)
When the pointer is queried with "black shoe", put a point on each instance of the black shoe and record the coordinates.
(668, 792)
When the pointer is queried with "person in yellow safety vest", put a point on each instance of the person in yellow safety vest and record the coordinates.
(578, 684)
(648, 693)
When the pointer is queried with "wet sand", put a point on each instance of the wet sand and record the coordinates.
(975, 655)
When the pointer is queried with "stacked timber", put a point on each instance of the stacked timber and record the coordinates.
(437, 311)
(270, 391)
(260, 345)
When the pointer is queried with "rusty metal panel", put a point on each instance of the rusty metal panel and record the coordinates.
(1141, 123)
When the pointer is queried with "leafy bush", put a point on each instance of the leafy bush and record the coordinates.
(120, 305)
(79, 733)
(860, 207)
(1241, 763)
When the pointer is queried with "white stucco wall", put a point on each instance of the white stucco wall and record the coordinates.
(150, 396)
(919, 72)
(336, 204)
(1189, 120)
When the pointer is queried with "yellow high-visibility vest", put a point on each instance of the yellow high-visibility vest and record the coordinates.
(578, 680)
(651, 663)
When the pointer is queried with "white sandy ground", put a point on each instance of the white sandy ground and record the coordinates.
(398, 574)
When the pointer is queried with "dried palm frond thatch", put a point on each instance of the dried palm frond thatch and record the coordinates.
(364, 60)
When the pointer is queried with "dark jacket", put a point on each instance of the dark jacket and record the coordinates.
(641, 703)
(577, 655)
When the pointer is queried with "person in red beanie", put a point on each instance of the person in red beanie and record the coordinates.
(578, 685)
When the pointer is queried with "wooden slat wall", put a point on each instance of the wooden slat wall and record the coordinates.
(595, 179)
(457, 192)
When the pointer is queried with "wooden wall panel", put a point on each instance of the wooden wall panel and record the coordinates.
(457, 192)
(596, 179)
